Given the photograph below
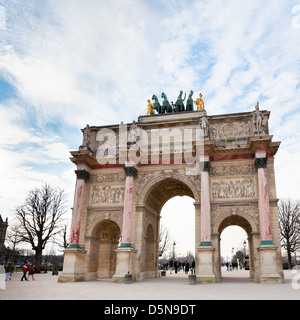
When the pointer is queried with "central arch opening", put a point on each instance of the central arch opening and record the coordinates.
(171, 200)
(178, 224)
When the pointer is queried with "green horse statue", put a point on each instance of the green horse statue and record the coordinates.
(166, 105)
(179, 106)
(190, 102)
(156, 105)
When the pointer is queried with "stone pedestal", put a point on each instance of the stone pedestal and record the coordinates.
(268, 264)
(125, 264)
(192, 279)
(204, 265)
(73, 265)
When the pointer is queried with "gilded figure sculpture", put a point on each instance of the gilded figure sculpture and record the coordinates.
(150, 109)
(200, 103)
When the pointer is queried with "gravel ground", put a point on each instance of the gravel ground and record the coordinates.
(234, 286)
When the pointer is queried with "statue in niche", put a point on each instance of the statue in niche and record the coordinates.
(258, 120)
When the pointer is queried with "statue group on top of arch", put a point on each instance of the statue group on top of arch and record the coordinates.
(167, 107)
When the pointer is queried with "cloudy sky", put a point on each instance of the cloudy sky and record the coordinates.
(66, 63)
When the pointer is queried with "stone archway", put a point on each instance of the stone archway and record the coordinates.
(102, 245)
(243, 217)
(238, 220)
(156, 193)
(229, 173)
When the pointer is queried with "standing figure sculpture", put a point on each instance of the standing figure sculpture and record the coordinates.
(179, 103)
(258, 119)
(189, 102)
(166, 105)
(200, 103)
(156, 105)
(86, 136)
(150, 109)
(204, 125)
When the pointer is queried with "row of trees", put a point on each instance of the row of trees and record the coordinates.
(40, 220)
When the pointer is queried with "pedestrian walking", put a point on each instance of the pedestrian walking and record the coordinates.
(193, 266)
(55, 268)
(8, 271)
(187, 267)
(25, 269)
(31, 272)
(176, 266)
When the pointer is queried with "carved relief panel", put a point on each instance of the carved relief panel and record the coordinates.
(104, 189)
(233, 188)
(231, 130)
(107, 194)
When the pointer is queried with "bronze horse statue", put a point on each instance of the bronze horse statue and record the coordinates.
(190, 102)
(156, 105)
(179, 106)
(166, 105)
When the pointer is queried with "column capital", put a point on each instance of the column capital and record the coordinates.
(130, 171)
(261, 162)
(82, 174)
(205, 166)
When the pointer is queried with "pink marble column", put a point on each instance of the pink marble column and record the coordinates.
(82, 176)
(205, 206)
(263, 202)
(130, 173)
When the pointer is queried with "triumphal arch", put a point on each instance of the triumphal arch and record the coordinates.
(127, 172)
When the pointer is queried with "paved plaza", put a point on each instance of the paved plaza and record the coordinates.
(234, 286)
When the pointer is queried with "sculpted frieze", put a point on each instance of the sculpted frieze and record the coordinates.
(113, 177)
(107, 194)
(232, 170)
(231, 130)
(234, 188)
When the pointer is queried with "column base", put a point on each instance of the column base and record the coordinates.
(268, 263)
(73, 265)
(125, 263)
(204, 266)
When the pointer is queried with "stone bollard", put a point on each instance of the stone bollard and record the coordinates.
(163, 273)
(192, 279)
(128, 278)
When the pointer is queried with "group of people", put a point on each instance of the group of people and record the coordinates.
(178, 265)
(27, 268)
(231, 265)
(30, 269)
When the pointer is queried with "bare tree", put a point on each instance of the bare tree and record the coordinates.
(40, 218)
(64, 234)
(164, 240)
(289, 225)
